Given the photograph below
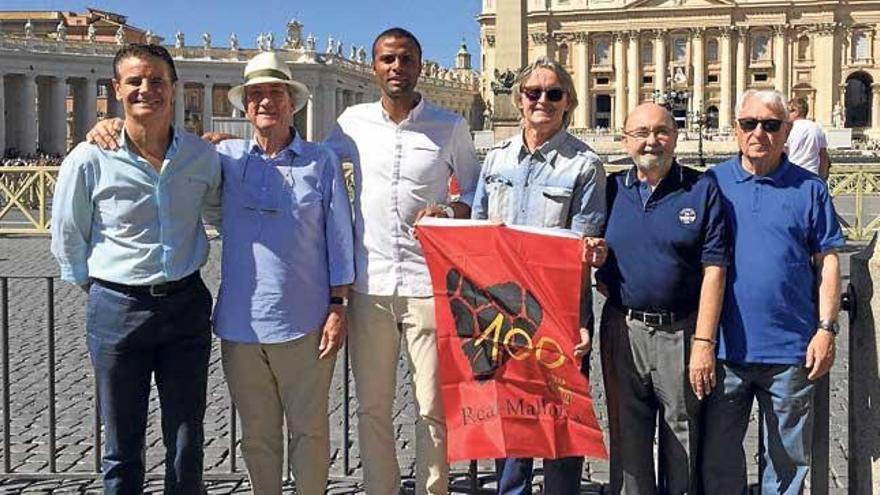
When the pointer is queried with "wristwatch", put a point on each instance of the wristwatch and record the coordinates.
(829, 326)
(447, 210)
(339, 301)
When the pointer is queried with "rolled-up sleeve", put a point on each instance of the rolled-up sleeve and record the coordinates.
(465, 164)
(589, 199)
(337, 223)
(72, 218)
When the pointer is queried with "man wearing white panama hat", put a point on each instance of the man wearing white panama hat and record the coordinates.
(287, 261)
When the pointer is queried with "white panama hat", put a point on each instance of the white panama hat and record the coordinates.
(268, 67)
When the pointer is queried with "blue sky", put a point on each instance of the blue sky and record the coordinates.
(439, 24)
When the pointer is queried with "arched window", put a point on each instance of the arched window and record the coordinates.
(602, 52)
(679, 50)
(648, 53)
(562, 55)
(860, 48)
(803, 48)
(760, 47)
(712, 50)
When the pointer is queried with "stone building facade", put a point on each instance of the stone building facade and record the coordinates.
(702, 53)
(53, 88)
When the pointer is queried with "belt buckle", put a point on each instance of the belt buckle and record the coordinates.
(159, 290)
(653, 319)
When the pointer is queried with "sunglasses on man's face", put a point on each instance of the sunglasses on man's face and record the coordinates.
(534, 94)
(769, 125)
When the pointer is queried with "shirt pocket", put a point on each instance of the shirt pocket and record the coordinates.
(557, 203)
(499, 191)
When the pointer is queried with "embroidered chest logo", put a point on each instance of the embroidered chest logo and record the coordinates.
(687, 216)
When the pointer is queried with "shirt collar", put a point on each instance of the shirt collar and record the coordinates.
(414, 114)
(742, 175)
(295, 146)
(547, 151)
(673, 177)
(123, 141)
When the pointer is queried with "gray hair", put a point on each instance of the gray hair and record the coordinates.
(565, 82)
(769, 97)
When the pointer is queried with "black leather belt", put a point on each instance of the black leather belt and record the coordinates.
(653, 318)
(155, 290)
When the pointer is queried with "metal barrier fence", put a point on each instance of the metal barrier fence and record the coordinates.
(26, 194)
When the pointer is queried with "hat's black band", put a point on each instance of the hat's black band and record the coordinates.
(267, 73)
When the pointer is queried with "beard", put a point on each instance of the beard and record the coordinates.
(648, 161)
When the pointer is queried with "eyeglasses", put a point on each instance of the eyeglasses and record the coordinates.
(661, 134)
(769, 125)
(553, 94)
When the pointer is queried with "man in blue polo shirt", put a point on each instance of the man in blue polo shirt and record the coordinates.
(780, 309)
(664, 279)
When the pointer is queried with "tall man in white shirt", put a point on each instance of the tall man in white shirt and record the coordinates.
(806, 145)
(404, 151)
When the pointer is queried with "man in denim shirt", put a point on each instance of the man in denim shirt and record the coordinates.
(545, 177)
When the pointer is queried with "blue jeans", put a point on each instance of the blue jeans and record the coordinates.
(561, 476)
(132, 336)
(786, 397)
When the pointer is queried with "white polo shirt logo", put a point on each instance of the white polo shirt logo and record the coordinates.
(687, 216)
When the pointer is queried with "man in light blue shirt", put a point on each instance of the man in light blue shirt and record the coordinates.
(287, 264)
(126, 226)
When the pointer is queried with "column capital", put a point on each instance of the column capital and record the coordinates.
(697, 32)
(660, 34)
(490, 39)
(826, 29)
(725, 31)
(742, 31)
(580, 37)
(540, 38)
(780, 30)
(619, 36)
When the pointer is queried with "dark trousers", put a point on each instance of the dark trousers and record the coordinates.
(133, 336)
(561, 476)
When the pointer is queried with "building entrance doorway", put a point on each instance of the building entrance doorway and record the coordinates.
(858, 100)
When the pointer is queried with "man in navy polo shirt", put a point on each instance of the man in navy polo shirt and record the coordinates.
(664, 279)
(781, 303)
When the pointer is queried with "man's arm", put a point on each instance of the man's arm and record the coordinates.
(340, 254)
(824, 164)
(212, 211)
(701, 370)
(821, 350)
(72, 220)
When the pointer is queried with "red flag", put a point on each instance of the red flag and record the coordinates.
(507, 306)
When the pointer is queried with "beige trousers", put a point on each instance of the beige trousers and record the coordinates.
(271, 382)
(378, 326)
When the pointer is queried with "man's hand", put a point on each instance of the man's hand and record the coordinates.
(217, 137)
(333, 334)
(583, 347)
(431, 211)
(820, 354)
(595, 251)
(701, 370)
(105, 134)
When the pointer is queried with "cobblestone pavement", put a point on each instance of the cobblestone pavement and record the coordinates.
(29, 407)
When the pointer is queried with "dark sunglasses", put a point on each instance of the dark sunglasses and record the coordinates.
(769, 125)
(553, 94)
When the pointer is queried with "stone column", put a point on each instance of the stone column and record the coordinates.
(582, 81)
(208, 107)
(311, 117)
(742, 62)
(875, 108)
(724, 112)
(90, 103)
(864, 369)
(340, 103)
(660, 60)
(699, 64)
(179, 105)
(780, 59)
(27, 142)
(619, 81)
(827, 43)
(53, 115)
(2, 116)
(634, 73)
